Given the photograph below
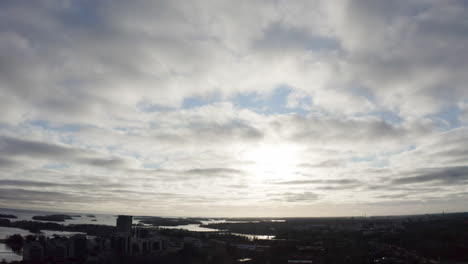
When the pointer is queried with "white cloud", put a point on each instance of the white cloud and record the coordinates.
(95, 92)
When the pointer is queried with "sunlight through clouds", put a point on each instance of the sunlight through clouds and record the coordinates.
(175, 107)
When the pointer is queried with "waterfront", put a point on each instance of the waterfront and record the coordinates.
(108, 219)
(102, 219)
(199, 228)
(77, 218)
(8, 255)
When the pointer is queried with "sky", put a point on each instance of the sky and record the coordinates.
(234, 108)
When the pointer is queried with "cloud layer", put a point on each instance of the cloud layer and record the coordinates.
(236, 108)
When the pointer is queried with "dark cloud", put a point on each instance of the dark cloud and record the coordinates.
(5, 163)
(304, 182)
(215, 172)
(24, 195)
(347, 132)
(448, 176)
(393, 196)
(403, 188)
(19, 147)
(25, 183)
(232, 130)
(280, 38)
(107, 163)
(324, 164)
(297, 197)
(338, 187)
(15, 147)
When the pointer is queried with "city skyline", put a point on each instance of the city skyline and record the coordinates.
(234, 108)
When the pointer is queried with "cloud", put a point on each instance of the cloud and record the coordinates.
(25, 183)
(22, 195)
(18, 147)
(215, 172)
(244, 101)
(338, 181)
(297, 197)
(323, 164)
(15, 147)
(447, 176)
(4, 162)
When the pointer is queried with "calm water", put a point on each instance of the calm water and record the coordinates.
(101, 219)
(198, 228)
(8, 231)
(8, 255)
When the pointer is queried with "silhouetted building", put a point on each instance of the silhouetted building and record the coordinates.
(139, 232)
(78, 247)
(193, 242)
(57, 249)
(33, 252)
(124, 223)
(122, 243)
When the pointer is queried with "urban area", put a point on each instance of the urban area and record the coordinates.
(440, 238)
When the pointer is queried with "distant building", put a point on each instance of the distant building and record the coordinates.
(193, 242)
(57, 249)
(139, 232)
(124, 223)
(33, 252)
(148, 245)
(122, 243)
(78, 247)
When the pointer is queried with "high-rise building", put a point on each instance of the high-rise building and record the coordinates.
(58, 249)
(122, 243)
(78, 246)
(139, 232)
(124, 223)
(33, 252)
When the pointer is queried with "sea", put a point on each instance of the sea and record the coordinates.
(9, 255)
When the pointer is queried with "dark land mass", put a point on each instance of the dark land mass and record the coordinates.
(162, 221)
(36, 227)
(360, 240)
(438, 238)
(90, 215)
(15, 242)
(54, 217)
(8, 216)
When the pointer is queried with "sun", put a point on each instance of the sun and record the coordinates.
(271, 162)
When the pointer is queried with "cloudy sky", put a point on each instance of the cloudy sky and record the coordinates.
(234, 108)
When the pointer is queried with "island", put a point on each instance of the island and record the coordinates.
(53, 218)
(36, 227)
(163, 221)
(8, 216)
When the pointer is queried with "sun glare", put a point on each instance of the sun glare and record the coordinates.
(272, 162)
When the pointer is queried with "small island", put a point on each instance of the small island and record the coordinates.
(160, 221)
(53, 218)
(90, 215)
(8, 216)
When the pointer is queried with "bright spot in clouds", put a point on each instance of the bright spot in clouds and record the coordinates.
(234, 108)
(272, 162)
